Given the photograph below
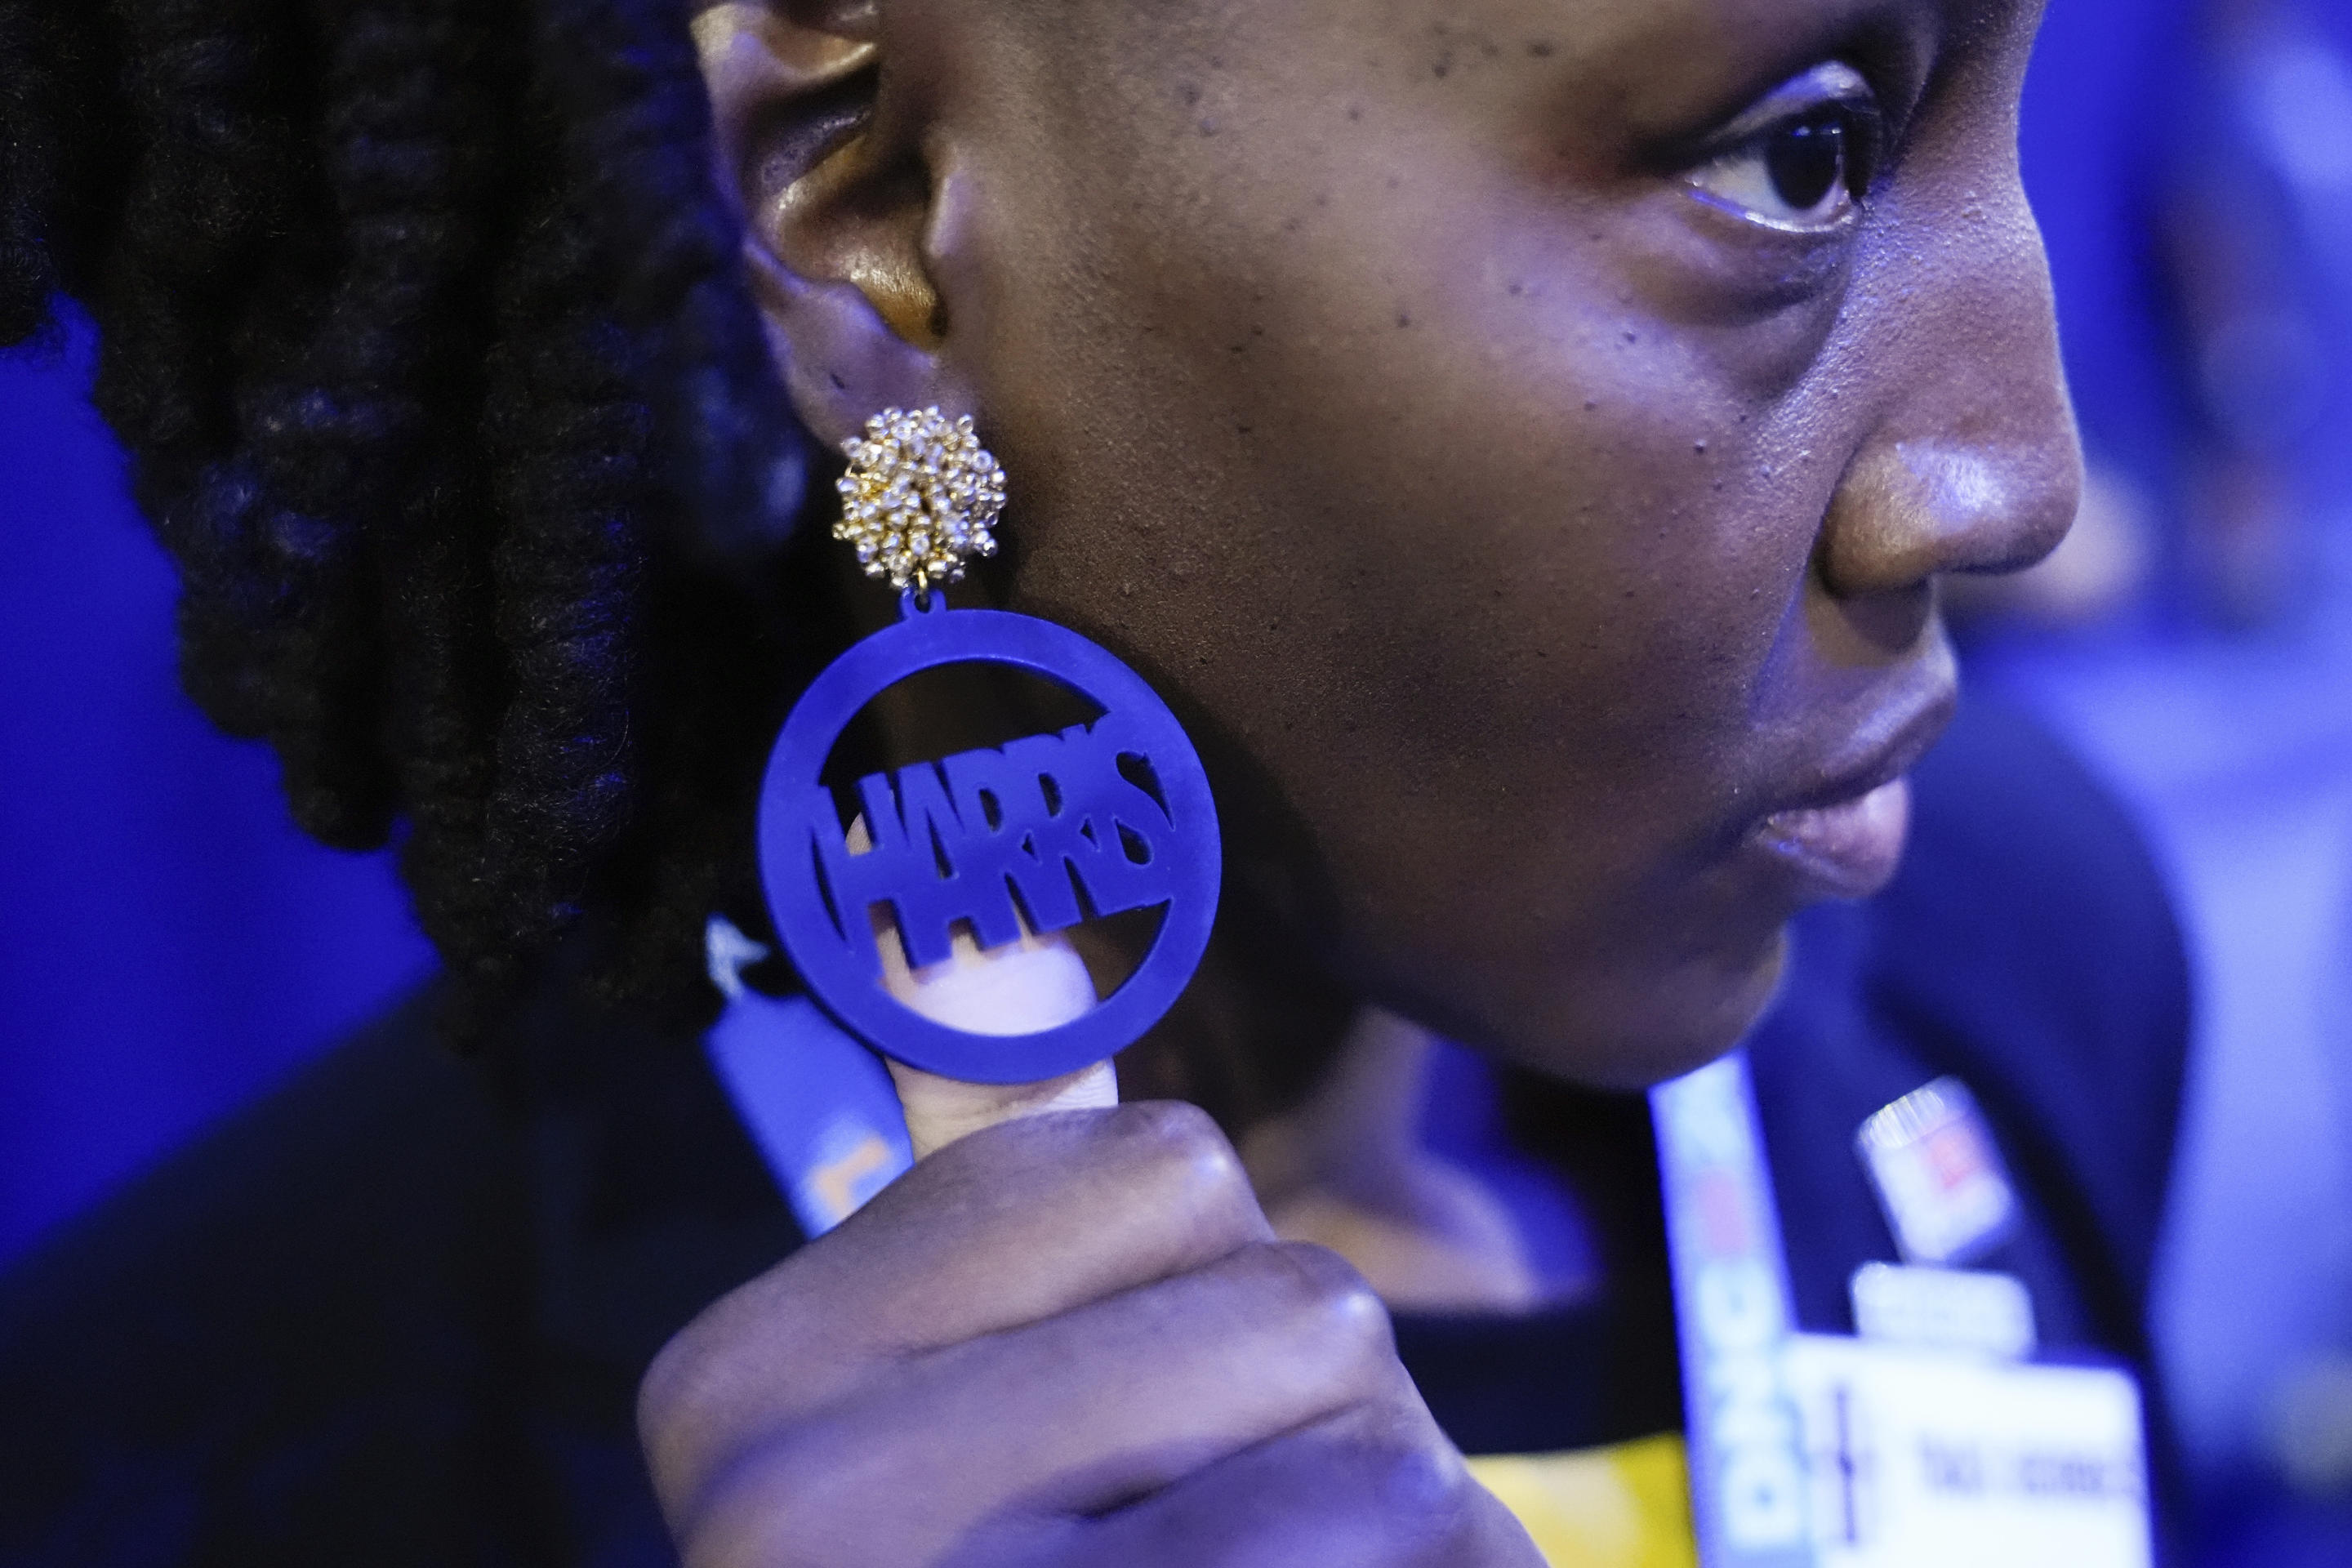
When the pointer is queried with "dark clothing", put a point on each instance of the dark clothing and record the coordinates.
(377, 1318)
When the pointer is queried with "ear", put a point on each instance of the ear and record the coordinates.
(837, 204)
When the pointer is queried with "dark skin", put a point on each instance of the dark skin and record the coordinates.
(1534, 506)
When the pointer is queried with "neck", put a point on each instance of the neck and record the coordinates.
(1347, 1169)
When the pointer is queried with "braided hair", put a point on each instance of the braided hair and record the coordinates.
(423, 324)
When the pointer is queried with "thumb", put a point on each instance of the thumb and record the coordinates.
(1032, 983)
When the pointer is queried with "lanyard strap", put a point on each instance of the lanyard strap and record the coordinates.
(818, 1105)
(1733, 1320)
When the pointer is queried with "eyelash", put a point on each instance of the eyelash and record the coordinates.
(1830, 140)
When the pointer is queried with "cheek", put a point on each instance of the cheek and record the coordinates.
(1547, 538)
(1470, 574)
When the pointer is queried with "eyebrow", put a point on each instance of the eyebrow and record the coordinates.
(1685, 91)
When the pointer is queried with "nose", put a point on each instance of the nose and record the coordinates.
(1973, 463)
(1911, 508)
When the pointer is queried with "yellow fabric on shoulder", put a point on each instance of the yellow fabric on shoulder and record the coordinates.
(1622, 1506)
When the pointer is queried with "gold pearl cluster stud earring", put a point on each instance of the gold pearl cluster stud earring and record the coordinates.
(918, 498)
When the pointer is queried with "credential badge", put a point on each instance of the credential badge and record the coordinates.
(1938, 1174)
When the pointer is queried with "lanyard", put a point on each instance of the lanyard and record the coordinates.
(1733, 1319)
(818, 1104)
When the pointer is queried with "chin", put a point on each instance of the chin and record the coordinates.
(1626, 1032)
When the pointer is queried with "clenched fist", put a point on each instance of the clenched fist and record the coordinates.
(1069, 1339)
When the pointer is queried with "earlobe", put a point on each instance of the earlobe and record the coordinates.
(835, 201)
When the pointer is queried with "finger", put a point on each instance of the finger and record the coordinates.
(1376, 1486)
(941, 1111)
(1030, 983)
(1175, 1375)
(1000, 1230)
(1035, 983)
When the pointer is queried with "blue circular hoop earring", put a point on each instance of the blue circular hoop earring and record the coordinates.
(1047, 830)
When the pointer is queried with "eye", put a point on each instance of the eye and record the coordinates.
(1802, 157)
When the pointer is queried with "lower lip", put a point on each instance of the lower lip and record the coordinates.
(1848, 850)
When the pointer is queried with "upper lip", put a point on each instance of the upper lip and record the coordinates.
(1880, 749)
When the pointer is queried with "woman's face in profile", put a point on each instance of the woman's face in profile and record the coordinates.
(1519, 437)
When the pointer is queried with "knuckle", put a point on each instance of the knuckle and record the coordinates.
(1425, 1481)
(1166, 1130)
(1326, 1300)
(759, 1507)
(1186, 1166)
(1429, 1495)
(1406, 1473)
(676, 1403)
(667, 1394)
(695, 1389)
(1164, 1164)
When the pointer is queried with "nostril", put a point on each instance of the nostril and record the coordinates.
(1865, 629)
